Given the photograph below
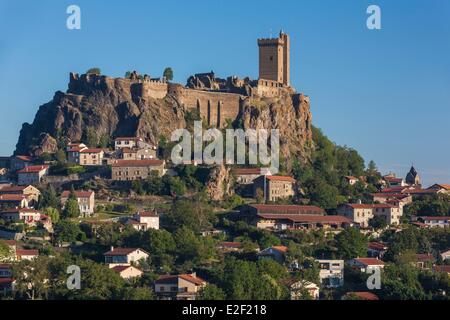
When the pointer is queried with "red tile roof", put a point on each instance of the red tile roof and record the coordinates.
(370, 261)
(18, 210)
(6, 281)
(305, 218)
(119, 269)
(13, 189)
(432, 218)
(147, 214)
(33, 169)
(25, 158)
(377, 246)
(424, 257)
(280, 248)
(92, 150)
(369, 206)
(78, 194)
(245, 171)
(364, 295)
(138, 163)
(229, 244)
(121, 251)
(280, 178)
(12, 197)
(174, 279)
(291, 209)
(26, 252)
(420, 191)
(393, 179)
(445, 268)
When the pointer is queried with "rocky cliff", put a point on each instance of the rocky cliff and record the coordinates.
(113, 107)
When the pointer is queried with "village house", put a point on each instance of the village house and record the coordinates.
(6, 279)
(445, 255)
(128, 170)
(276, 253)
(127, 272)
(376, 250)
(442, 269)
(297, 288)
(276, 187)
(256, 209)
(296, 221)
(29, 216)
(366, 264)
(13, 201)
(32, 175)
(351, 180)
(178, 287)
(31, 192)
(331, 273)
(423, 261)
(363, 213)
(392, 181)
(137, 154)
(130, 143)
(247, 175)
(85, 156)
(26, 254)
(396, 199)
(144, 220)
(435, 221)
(85, 199)
(441, 188)
(19, 162)
(124, 256)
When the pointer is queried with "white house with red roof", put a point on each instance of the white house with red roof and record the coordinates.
(127, 272)
(144, 220)
(26, 254)
(31, 192)
(29, 216)
(441, 188)
(13, 200)
(85, 199)
(178, 287)
(363, 213)
(124, 256)
(32, 175)
(376, 249)
(366, 264)
(435, 221)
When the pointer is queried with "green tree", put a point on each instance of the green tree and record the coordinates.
(351, 244)
(60, 156)
(71, 208)
(378, 222)
(67, 231)
(48, 198)
(5, 251)
(53, 213)
(32, 278)
(211, 292)
(168, 74)
(195, 215)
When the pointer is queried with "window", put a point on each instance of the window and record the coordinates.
(271, 58)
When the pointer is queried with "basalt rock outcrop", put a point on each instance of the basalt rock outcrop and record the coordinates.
(141, 107)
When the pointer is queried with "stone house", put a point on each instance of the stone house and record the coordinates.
(29, 216)
(246, 175)
(130, 143)
(32, 175)
(31, 192)
(436, 221)
(19, 162)
(85, 156)
(274, 187)
(178, 287)
(13, 201)
(128, 170)
(85, 199)
(138, 153)
(363, 213)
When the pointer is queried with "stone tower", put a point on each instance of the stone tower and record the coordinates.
(274, 59)
(413, 178)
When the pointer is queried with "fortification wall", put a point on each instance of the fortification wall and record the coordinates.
(214, 107)
(152, 89)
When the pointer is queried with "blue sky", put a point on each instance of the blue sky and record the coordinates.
(385, 93)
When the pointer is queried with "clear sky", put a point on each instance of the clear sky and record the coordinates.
(385, 93)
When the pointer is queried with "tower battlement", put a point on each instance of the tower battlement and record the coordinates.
(274, 59)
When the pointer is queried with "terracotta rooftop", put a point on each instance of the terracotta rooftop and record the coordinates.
(24, 158)
(369, 206)
(12, 197)
(280, 178)
(91, 150)
(280, 248)
(245, 171)
(33, 169)
(17, 210)
(13, 188)
(230, 244)
(147, 214)
(174, 279)
(119, 269)
(364, 295)
(433, 218)
(78, 194)
(282, 208)
(445, 268)
(370, 261)
(424, 257)
(377, 246)
(27, 252)
(305, 218)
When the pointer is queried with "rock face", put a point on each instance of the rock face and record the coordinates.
(114, 107)
(220, 183)
(291, 115)
(107, 106)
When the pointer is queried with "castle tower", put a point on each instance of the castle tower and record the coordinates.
(274, 59)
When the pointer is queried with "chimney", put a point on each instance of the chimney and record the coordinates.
(112, 248)
(359, 201)
(194, 274)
